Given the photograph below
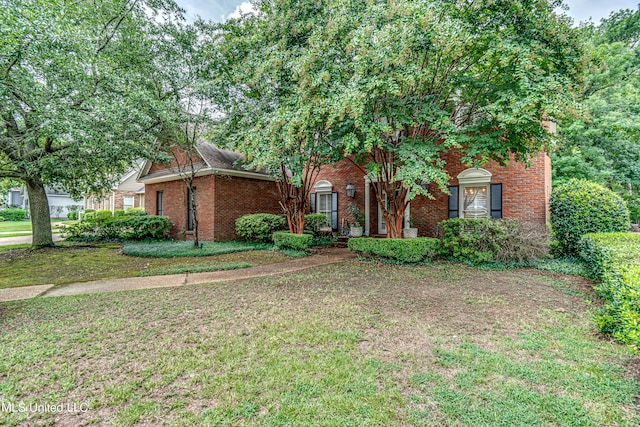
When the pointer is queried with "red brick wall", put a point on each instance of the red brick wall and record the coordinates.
(236, 196)
(221, 200)
(525, 192)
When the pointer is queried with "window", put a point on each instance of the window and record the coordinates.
(325, 201)
(473, 197)
(475, 202)
(159, 203)
(191, 193)
(324, 205)
(128, 202)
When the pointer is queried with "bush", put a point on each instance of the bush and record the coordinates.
(136, 211)
(259, 227)
(614, 258)
(580, 207)
(1, 219)
(403, 250)
(118, 212)
(286, 240)
(481, 240)
(14, 214)
(72, 215)
(315, 222)
(125, 228)
(103, 214)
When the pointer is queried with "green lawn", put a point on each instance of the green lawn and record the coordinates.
(348, 344)
(13, 226)
(77, 262)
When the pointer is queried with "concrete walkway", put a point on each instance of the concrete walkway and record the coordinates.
(19, 240)
(325, 257)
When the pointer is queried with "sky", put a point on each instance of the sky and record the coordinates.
(579, 10)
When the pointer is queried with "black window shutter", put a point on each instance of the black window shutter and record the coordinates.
(496, 201)
(334, 211)
(312, 203)
(453, 202)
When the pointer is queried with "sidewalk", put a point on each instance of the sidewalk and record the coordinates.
(327, 256)
(18, 240)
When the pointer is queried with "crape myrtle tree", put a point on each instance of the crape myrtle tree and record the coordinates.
(268, 117)
(193, 85)
(409, 80)
(81, 93)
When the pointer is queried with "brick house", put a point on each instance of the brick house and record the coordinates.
(127, 193)
(224, 191)
(494, 191)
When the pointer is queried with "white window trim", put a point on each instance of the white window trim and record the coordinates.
(324, 188)
(473, 177)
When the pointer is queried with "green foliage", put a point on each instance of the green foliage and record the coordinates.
(614, 258)
(72, 215)
(564, 265)
(14, 214)
(601, 144)
(118, 212)
(136, 211)
(403, 250)
(580, 207)
(1, 219)
(356, 216)
(171, 249)
(316, 222)
(286, 240)
(102, 215)
(259, 227)
(482, 240)
(122, 228)
(633, 204)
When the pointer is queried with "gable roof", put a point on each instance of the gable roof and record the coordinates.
(215, 161)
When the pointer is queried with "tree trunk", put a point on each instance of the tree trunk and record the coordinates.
(40, 217)
(393, 222)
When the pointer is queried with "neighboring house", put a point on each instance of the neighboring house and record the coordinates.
(127, 193)
(59, 201)
(224, 191)
(490, 192)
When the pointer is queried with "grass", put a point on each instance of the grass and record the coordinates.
(347, 344)
(68, 263)
(25, 226)
(195, 268)
(170, 249)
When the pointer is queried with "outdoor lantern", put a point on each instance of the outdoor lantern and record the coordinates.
(351, 190)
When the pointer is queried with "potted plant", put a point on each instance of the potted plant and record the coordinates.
(410, 232)
(358, 220)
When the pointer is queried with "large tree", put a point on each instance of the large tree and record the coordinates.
(82, 93)
(409, 80)
(267, 117)
(603, 143)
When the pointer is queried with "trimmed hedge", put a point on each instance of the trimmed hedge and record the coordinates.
(480, 240)
(286, 240)
(614, 259)
(118, 212)
(403, 250)
(72, 215)
(580, 207)
(259, 227)
(123, 227)
(13, 214)
(316, 222)
(139, 211)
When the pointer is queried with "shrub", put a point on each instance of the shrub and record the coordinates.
(480, 240)
(1, 219)
(124, 227)
(72, 215)
(259, 227)
(403, 250)
(286, 240)
(118, 212)
(139, 211)
(614, 258)
(315, 222)
(580, 207)
(14, 214)
(103, 214)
